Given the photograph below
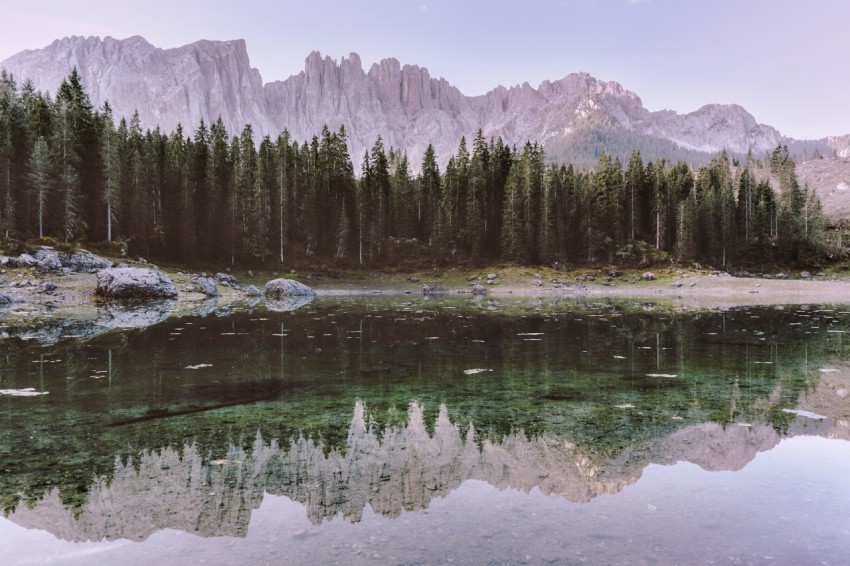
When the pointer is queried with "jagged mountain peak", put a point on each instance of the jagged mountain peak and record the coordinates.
(400, 102)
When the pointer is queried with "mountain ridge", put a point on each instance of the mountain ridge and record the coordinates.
(403, 104)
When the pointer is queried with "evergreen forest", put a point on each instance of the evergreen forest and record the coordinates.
(70, 173)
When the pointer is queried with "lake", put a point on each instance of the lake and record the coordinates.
(399, 430)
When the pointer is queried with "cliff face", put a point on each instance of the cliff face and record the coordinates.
(167, 86)
(714, 127)
(401, 103)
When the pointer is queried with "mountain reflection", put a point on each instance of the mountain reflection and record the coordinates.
(395, 469)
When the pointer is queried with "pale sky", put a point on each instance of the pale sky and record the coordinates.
(785, 61)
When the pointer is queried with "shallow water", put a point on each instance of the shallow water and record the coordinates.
(397, 430)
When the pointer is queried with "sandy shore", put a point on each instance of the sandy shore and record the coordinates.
(711, 291)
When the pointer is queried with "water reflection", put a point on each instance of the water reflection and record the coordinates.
(353, 408)
(391, 470)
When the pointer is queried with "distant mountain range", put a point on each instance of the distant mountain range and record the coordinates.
(575, 118)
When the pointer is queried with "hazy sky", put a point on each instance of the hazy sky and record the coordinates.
(786, 61)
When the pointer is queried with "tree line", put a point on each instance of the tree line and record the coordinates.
(68, 172)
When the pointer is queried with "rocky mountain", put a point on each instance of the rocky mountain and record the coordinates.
(573, 117)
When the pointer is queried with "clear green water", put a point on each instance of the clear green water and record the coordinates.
(353, 431)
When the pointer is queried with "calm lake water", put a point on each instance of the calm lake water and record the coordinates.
(375, 430)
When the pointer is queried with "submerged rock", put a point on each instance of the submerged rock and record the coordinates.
(252, 291)
(134, 283)
(112, 316)
(478, 289)
(6, 300)
(290, 303)
(434, 290)
(282, 288)
(207, 307)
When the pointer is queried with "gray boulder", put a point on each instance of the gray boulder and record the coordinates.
(84, 261)
(206, 285)
(81, 261)
(649, 276)
(134, 283)
(478, 289)
(48, 259)
(226, 279)
(282, 288)
(6, 300)
(26, 260)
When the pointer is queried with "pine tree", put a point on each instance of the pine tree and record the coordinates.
(512, 219)
(477, 188)
(533, 172)
(40, 179)
(368, 214)
(547, 236)
(111, 157)
(380, 180)
(402, 189)
(84, 159)
(636, 192)
(746, 204)
(281, 208)
(220, 235)
(792, 202)
(427, 196)
(500, 164)
(260, 214)
(12, 154)
(200, 192)
(70, 220)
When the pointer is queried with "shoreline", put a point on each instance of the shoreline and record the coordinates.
(75, 305)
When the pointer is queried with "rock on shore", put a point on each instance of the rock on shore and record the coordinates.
(282, 288)
(134, 283)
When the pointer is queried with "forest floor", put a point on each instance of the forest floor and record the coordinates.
(687, 288)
